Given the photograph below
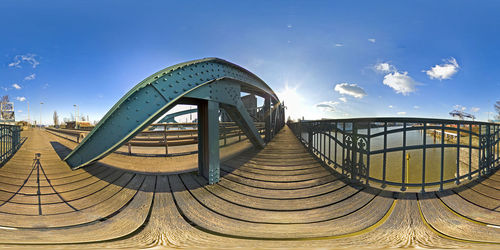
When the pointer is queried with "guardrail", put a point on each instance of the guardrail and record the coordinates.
(10, 141)
(77, 134)
(404, 152)
(166, 135)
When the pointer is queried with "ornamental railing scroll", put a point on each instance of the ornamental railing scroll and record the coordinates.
(471, 149)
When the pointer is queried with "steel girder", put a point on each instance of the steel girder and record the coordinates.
(170, 117)
(157, 94)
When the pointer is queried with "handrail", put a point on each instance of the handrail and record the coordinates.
(10, 141)
(404, 152)
(164, 138)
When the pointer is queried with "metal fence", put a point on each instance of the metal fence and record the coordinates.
(10, 140)
(404, 152)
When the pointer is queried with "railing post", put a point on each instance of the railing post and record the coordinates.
(470, 151)
(165, 139)
(457, 181)
(403, 170)
(423, 156)
(384, 162)
(368, 153)
(480, 151)
(310, 137)
(442, 158)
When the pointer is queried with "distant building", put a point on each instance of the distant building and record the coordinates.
(82, 125)
(7, 114)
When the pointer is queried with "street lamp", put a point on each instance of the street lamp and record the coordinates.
(41, 115)
(76, 115)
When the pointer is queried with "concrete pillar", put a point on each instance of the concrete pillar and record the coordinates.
(208, 141)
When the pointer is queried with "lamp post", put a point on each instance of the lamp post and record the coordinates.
(29, 121)
(76, 115)
(41, 115)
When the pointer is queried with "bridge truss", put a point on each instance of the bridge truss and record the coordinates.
(209, 83)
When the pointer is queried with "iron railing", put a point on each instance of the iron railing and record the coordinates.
(10, 140)
(404, 152)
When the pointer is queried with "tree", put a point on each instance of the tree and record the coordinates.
(56, 119)
(497, 108)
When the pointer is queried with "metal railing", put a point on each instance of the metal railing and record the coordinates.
(404, 152)
(10, 140)
(167, 135)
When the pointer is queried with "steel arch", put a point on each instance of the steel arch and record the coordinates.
(157, 94)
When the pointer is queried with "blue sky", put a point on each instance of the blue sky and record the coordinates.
(330, 59)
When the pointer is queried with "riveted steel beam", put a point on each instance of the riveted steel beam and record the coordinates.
(153, 97)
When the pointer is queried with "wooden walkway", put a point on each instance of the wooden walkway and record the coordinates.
(277, 197)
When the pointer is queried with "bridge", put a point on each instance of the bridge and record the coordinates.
(368, 182)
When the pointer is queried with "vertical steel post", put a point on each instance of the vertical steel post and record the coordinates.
(457, 181)
(470, 151)
(368, 154)
(329, 144)
(165, 139)
(208, 141)
(488, 148)
(403, 170)
(423, 156)
(336, 140)
(479, 167)
(442, 157)
(384, 165)
(267, 118)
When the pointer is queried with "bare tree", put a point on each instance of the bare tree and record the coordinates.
(497, 108)
(56, 118)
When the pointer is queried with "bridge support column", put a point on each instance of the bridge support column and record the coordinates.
(208, 141)
(267, 118)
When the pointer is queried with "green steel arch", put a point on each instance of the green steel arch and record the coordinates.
(210, 80)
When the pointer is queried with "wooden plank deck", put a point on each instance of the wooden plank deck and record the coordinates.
(278, 197)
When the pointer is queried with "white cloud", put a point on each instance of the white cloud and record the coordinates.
(400, 82)
(343, 99)
(372, 40)
(444, 71)
(19, 111)
(289, 26)
(350, 89)
(29, 58)
(16, 86)
(384, 67)
(30, 77)
(21, 98)
(327, 106)
(339, 45)
(416, 107)
(390, 106)
(459, 107)
(401, 113)
(474, 109)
